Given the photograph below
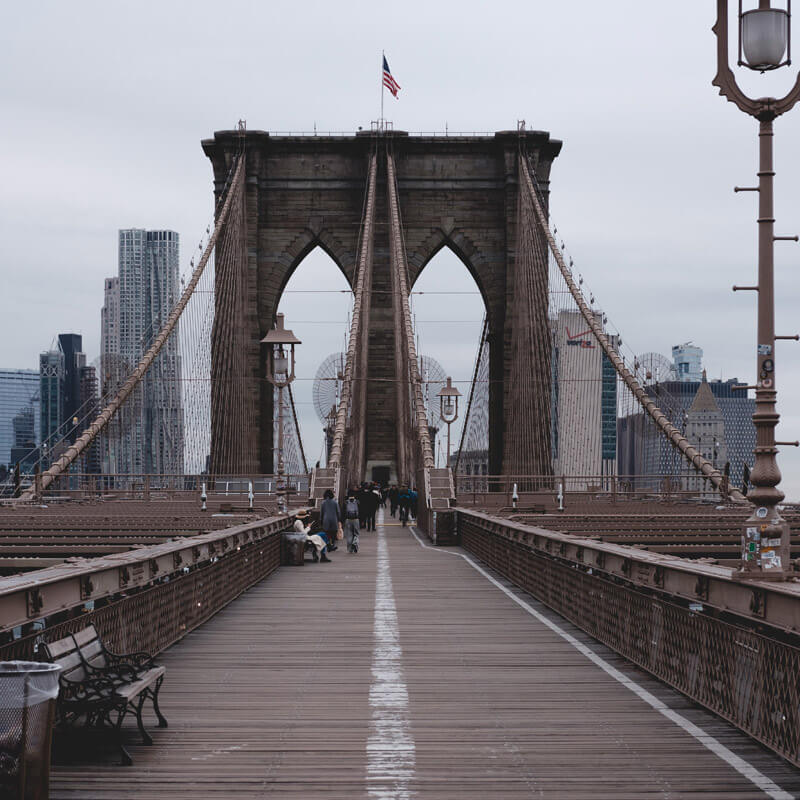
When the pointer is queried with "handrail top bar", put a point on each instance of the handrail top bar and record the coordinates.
(646, 557)
(88, 566)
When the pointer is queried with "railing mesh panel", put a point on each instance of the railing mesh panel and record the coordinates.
(747, 678)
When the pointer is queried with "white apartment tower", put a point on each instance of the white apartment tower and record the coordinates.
(148, 435)
(688, 360)
(584, 402)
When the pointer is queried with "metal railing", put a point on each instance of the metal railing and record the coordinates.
(545, 490)
(79, 485)
(145, 599)
(729, 646)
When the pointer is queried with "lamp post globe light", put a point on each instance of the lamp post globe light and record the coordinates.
(764, 45)
(448, 410)
(280, 344)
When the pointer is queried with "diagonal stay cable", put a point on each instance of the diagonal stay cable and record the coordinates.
(88, 436)
(678, 440)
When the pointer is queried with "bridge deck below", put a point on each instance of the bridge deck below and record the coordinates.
(404, 672)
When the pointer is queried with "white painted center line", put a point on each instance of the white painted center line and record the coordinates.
(770, 788)
(391, 755)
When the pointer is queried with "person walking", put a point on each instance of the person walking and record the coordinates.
(362, 499)
(351, 513)
(393, 494)
(414, 502)
(330, 518)
(372, 500)
(404, 503)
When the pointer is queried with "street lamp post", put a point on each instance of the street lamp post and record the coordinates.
(280, 373)
(764, 45)
(448, 410)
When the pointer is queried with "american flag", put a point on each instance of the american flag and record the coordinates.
(388, 81)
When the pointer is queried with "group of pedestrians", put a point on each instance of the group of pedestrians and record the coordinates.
(357, 512)
(405, 501)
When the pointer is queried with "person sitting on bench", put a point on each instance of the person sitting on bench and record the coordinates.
(320, 549)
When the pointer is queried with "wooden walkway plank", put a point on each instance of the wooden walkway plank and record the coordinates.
(305, 688)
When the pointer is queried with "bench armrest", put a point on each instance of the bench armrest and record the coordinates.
(93, 689)
(119, 672)
(139, 661)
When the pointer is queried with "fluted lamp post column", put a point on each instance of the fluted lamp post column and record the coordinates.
(280, 344)
(448, 410)
(764, 45)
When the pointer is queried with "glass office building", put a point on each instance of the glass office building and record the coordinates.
(19, 402)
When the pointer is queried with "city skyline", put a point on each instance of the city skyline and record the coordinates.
(642, 190)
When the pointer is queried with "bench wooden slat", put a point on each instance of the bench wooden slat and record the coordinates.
(131, 690)
(71, 666)
(86, 636)
(59, 648)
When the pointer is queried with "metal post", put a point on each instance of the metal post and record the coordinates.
(280, 485)
(203, 498)
(765, 544)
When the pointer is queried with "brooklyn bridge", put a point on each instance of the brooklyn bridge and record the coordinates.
(582, 600)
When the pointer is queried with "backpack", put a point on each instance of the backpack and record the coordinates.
(351, 509)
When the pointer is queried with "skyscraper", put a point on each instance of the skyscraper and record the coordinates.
(19, 393)
(705, 429)
(688, 360)
(644, 451)
(90, 408)
(584, 401)
(73, 415)
(147, 437)
(51, 389)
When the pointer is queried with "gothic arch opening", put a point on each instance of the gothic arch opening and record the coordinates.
(316, 302)
(448, 310)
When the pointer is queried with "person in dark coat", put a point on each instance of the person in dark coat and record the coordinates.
(393, 494)
(362, 498)
(404, 503)
(372, 499)
(330, 516)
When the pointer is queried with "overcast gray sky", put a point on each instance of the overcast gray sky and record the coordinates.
(104, 106)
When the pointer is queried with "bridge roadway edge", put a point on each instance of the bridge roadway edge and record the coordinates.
(498, 704)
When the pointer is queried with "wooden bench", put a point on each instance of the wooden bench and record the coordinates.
(102, 687)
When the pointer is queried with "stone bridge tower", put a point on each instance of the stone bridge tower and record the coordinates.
(306, 191)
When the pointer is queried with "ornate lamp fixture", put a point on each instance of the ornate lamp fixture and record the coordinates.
(764, 45)
(448, 409)
(280, 373)
(764, 37)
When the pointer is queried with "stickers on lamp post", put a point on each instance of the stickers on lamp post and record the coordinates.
(761, 512)
(750, 550)
(765, 349)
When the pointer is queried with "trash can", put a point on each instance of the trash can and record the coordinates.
(293, 546)
(28, 691)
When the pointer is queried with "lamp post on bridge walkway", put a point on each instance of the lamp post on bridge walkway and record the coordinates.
(280, 373)
(764, 45)
(448, 410)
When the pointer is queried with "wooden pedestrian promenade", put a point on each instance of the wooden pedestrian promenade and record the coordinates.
(411, 672)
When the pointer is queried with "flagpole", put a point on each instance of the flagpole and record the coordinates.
(383, 89)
